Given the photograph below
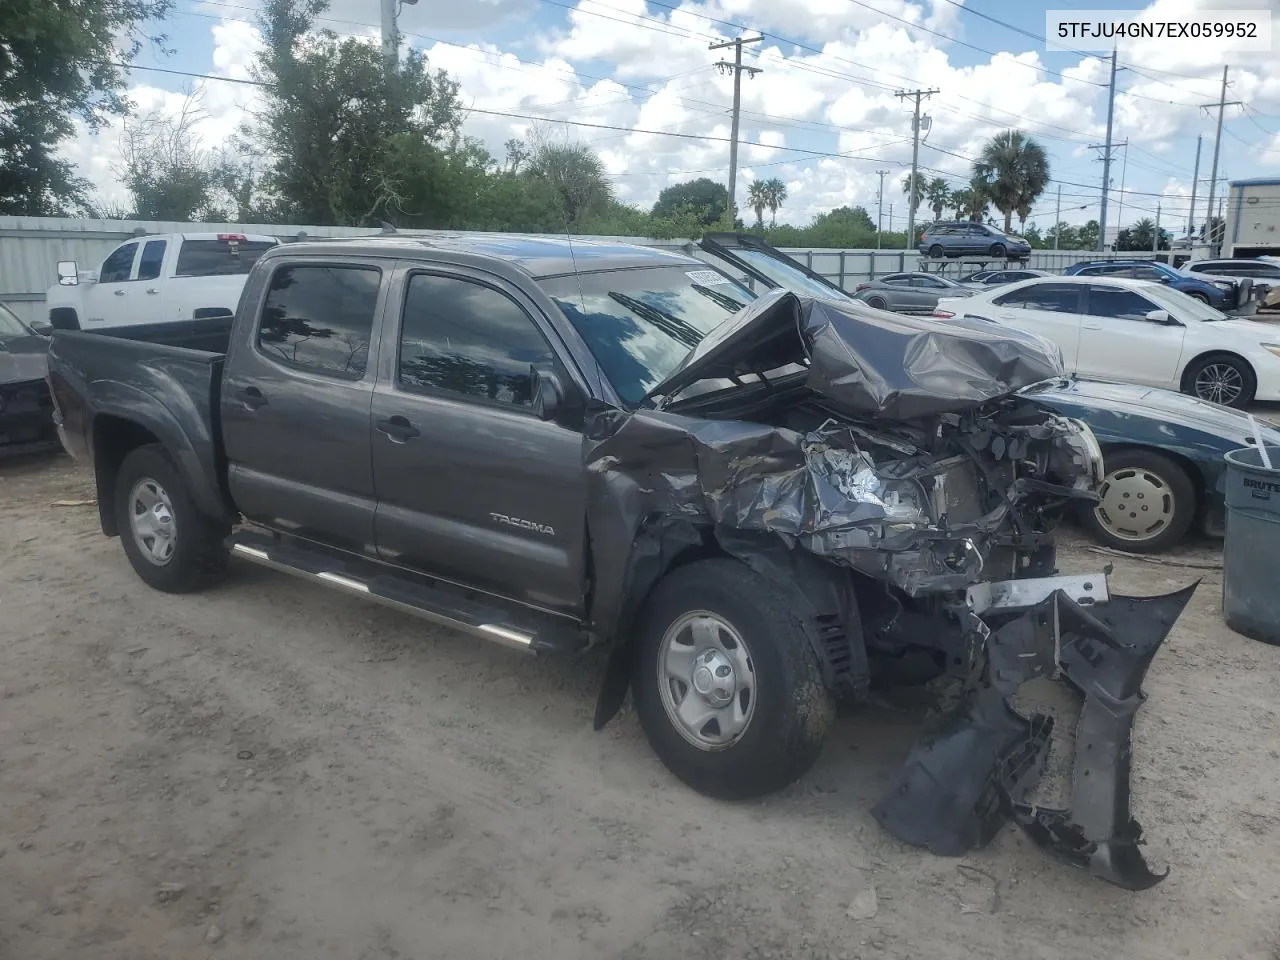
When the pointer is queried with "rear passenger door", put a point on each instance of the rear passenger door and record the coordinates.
(295, 402)
(472, 486)
(148, 296)
(1053, 310)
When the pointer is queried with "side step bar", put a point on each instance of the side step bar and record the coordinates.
(459, 610)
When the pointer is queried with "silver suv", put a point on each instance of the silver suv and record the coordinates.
(961, 238)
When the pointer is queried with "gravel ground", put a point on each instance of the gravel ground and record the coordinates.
(269, 770)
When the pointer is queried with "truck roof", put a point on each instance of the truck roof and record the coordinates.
(538, 256)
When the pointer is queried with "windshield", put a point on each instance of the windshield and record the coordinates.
(641, 324)
(10, 325)
(1183, 306)
(787, 276)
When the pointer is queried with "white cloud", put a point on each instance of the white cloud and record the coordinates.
(627, 64)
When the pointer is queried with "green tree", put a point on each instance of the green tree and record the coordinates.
(1086, 237)
(775, 196)
(1015, 171)
(758, 199)
(914, 189)
(937, 195)
(56, 66)
(576, 175)
(335, 126)
(709, 198)
(169, 173)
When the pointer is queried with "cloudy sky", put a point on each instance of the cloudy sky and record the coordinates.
(822, 116)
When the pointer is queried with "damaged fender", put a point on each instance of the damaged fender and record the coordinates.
(979, 761)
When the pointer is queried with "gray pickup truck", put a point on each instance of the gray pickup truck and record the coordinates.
(757, 501)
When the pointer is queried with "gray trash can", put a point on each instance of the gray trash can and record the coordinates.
(1251, 553)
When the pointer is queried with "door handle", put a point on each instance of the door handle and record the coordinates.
(397, 429)
(152, 290)
(251, 397)
(119, 293)
(1091, 326)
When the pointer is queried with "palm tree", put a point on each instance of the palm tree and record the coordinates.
(758, 199)
(914, 197)
(1015, 170)
(776, 195)
(577, 176)
(937, 195)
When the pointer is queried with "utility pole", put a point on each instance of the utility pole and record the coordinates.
(1217, 146)
(1155, 243)
(891, 218)
(1057, 219)
(917, 96)
(1106, 155)
(391, 34)
(724, 66)
(1195, 182)
(1124, 174)
(880, 206)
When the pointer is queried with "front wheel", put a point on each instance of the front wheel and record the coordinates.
(169, 543)
(1203, 298)
(727, 686)
(998, 250)
(1147, 503)
(1221, 378)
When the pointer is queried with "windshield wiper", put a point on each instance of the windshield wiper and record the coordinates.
(671, 325)
(719, 299)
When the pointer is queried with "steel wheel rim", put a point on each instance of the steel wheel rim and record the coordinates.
(1137, 505)
(151, 521)
(706, 680)
(1219, 383)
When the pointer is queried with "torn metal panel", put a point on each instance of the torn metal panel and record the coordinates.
(945, 798)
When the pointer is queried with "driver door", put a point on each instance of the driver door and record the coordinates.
(1118, 342)
(108, 300)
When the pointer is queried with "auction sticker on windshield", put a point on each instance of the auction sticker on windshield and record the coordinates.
(1103, 30)
(707, 277)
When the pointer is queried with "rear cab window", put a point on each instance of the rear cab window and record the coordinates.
(319, 318)
(218, 258)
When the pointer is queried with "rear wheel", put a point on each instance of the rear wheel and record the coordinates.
(877, 302)
(1148, 502)
(727, 686)
(170, 544)
(1221, 378)
(936, 251)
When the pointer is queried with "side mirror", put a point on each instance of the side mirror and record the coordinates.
(68, 273)
(1165, 280)
(1158, 316)
(548, 393)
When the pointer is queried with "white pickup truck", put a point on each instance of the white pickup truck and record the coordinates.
(155, 279)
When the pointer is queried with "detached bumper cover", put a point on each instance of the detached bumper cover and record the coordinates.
(979, 761)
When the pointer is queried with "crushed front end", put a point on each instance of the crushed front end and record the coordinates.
(902, 456)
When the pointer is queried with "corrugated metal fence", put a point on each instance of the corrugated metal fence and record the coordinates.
(30, 248)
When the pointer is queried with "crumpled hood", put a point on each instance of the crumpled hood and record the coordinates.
(867, 362)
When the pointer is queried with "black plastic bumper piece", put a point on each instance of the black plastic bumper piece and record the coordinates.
(978, 763)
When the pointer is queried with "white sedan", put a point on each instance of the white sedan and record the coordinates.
(1137, 331)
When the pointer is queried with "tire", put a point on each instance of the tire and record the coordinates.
(936, 251)
(1228, 372)
(1199, 296)
(878, 303)
(1149, 502)
(191, 554)
(1000, 251)
(788, 710)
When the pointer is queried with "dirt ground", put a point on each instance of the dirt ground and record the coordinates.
(269, 770)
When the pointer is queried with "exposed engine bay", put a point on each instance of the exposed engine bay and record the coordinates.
(892, 476)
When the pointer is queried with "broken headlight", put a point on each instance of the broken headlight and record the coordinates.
(1077, 457)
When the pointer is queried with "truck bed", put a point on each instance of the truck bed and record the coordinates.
(153, 378)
